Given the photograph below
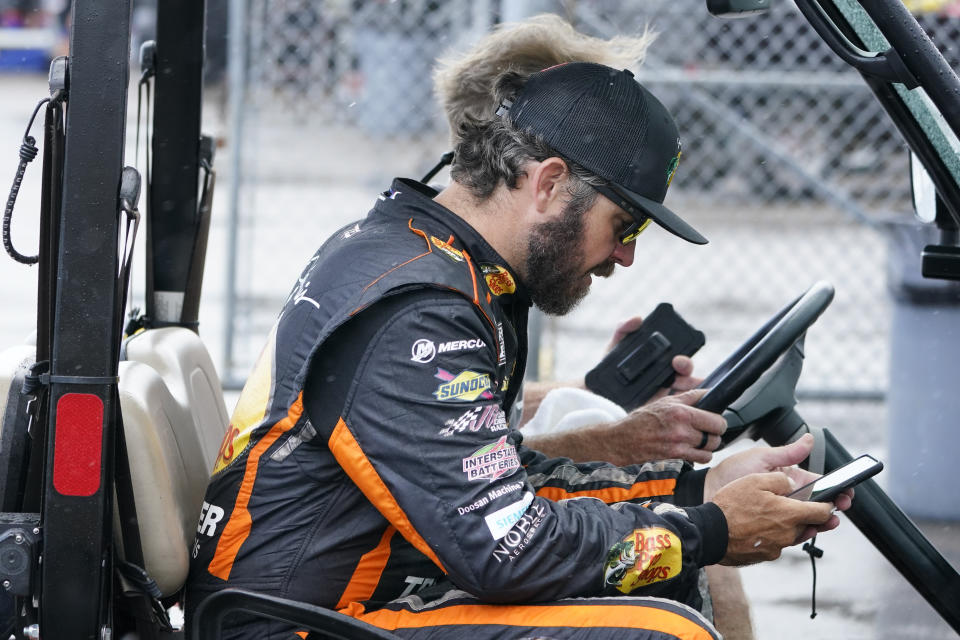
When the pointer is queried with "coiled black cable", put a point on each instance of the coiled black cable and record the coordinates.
(28, 151)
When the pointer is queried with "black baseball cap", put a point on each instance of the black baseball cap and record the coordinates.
(608, 123)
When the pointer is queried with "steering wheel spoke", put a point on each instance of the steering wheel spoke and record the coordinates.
(775, 352)
(772, 393)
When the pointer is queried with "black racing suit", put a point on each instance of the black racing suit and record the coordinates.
(370, 459)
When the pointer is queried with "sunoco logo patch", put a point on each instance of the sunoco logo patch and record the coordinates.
(643, 557)
(466, 385)
(496, 460)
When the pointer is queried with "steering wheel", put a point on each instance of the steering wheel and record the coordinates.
(745, 365)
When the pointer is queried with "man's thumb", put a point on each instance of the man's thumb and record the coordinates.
(791, 454)
(692, 396)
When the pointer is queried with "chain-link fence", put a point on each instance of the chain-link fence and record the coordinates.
(789, 166)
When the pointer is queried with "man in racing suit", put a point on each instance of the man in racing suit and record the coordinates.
(464, 81)
(370, 466)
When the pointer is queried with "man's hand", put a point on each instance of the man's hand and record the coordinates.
(748, 487)
(669, 427)
(683, 365)
(761, 521)
(759, 460)
(662, 429)
(765, 459)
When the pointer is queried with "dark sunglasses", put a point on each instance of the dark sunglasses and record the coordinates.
(640, 220)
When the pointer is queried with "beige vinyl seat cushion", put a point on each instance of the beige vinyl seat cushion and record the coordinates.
(174, 420)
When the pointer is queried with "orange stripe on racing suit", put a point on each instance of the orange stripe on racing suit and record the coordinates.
(352, 459)
(624, 616)
(367, 575)
(609, 495)
(238, 527)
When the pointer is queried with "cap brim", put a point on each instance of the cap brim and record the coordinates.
(664, 217)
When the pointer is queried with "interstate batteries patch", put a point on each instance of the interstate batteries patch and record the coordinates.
(492, 462)
(643, 557)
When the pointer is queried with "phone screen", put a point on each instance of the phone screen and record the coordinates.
(841, 477)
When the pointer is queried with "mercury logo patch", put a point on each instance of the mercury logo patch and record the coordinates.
(423, 351)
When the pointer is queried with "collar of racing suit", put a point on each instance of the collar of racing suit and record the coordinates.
(411, 199)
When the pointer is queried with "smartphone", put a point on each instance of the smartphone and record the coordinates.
(642, 362)
(827, 487)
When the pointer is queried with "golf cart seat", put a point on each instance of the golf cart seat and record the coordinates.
(174, 419)
(11, 360)
(15, 364)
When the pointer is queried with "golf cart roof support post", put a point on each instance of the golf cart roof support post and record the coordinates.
(919, 55)
(77, 504)
(920, 144)
(920, 60)
(172, 220)
(899, 540)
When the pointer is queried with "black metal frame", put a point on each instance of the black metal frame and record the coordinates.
(177, 224)
(879, 518)
(922, 65)
(322, 623)
(900, 541)
(76, 518)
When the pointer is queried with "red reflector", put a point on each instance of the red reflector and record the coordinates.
(78, 444)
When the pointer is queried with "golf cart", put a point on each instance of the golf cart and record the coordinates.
(109, 428)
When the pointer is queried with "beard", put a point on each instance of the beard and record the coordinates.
(553, 274)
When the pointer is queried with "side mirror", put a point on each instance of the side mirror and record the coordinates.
(924, 193)
(939, 261)
(737, 8)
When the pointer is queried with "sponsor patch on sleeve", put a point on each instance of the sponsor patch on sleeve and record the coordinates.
(492, 462)
(520, 536)
(466, 385)
(424, 350)
(489, 417)
(491, 495)
(645, 556)
(502, 520)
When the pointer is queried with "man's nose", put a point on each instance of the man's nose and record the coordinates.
(623, 253)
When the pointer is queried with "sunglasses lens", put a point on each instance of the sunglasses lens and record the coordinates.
(634, 230)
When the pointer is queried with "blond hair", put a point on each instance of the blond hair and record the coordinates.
(464, 82)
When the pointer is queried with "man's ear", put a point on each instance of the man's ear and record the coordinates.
(548, 181)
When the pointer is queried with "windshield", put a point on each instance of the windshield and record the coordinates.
(907, 59)
(919, 104)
